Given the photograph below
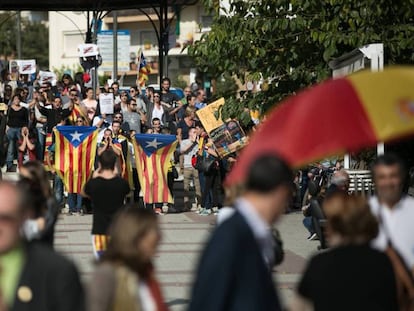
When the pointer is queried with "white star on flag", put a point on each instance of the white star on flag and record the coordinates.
(153, 144)
(76, 136)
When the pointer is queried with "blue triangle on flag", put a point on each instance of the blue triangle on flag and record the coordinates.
(143, 61)
(75, 134)
(150, 143)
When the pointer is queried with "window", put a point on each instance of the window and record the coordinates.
(70, 43)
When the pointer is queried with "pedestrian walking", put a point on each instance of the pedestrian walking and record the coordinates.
(351, 275)
(234, 272)
(124, 279)
(107, 192)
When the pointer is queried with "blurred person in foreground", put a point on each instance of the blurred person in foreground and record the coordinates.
(351, 275)
(32, 277)
(234, 272)
(41, 227)
(393, 209)
(124, 279)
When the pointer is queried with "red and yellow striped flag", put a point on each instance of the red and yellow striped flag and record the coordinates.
(48, 143)
(76, 112)
(75, 149)
(152, 155)
(144, 70)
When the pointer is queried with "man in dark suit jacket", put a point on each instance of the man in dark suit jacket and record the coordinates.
(235, 269)
(32, 277)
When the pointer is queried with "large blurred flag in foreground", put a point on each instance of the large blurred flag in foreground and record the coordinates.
(153, 155)
(75, 149)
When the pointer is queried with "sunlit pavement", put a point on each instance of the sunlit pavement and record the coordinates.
(183, 237)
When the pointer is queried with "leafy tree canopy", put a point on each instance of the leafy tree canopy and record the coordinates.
(34, 39)
(288, 43)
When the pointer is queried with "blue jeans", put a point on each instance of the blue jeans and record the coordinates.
(58, 190)
(74, 202)
(13, 135)
(307, 222)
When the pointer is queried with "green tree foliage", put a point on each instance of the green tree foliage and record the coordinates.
(35, 43)
(226, 86)
(34, 36)
(288, 43)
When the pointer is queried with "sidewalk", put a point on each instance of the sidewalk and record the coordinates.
(182, 242)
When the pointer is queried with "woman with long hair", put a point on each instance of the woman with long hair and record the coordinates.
(124, 279)
(41, 225)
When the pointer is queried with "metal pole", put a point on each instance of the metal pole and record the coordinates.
(115, 47)
(161, 42)
(95, 82)
(19, 37)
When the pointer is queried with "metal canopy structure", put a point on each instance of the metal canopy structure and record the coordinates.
(100, 8)
(86, 5)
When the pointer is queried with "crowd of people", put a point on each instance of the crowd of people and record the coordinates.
(368, 264)
(32, 111)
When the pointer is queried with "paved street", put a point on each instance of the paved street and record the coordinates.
(183, 239)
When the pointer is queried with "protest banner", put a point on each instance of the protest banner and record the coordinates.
(228, 136)
(26, 66)
(106, 103)
(47, 76)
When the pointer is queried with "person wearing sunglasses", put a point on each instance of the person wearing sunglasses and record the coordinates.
(156, 111)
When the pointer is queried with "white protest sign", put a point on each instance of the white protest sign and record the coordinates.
(26, 66)
(87, 50)
(47, 76)
(106, 103)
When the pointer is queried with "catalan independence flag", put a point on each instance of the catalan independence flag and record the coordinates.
(144, 70)
(152, 155)
(75, 149)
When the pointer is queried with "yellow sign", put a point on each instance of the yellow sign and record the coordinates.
(207, 115)
(228, 137)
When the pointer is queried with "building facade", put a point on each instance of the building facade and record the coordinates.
(68, 29)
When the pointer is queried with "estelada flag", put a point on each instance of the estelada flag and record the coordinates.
(75, 149)
(144, 70)
(152, 155)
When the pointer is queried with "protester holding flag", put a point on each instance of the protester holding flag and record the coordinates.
(153, 153)
(78, 110)
(107, 191)
(144, 70)
(75, 149)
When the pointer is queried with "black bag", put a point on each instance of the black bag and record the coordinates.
(204, 165)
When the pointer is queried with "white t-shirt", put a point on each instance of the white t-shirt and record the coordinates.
(158, 113)
(399, 227)
(185, 144)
